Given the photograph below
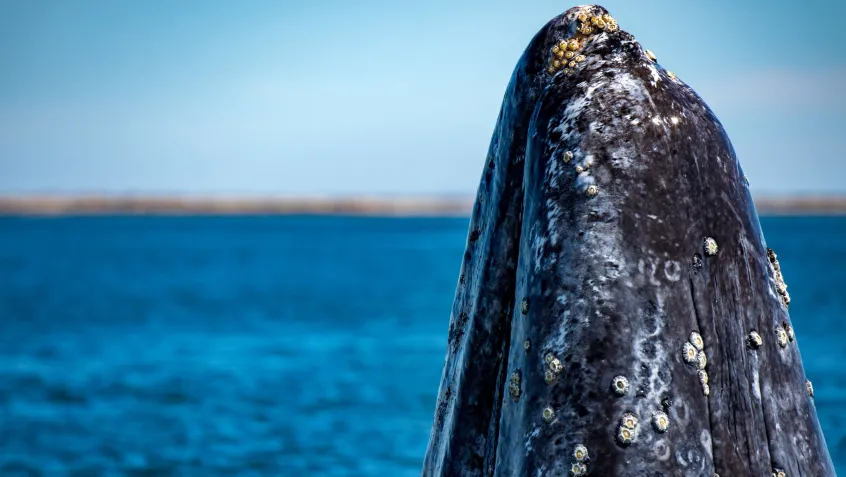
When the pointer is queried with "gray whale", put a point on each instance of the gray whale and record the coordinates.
(617, 311)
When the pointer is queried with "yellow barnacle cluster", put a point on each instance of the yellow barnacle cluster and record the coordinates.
(564, 55)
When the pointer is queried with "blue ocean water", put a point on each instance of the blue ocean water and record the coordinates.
(276, 345)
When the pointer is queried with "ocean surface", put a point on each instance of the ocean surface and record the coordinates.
(281, 346)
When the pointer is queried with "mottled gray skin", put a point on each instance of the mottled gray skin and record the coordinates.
(614, 285)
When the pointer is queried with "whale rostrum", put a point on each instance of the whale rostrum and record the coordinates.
(617, 312)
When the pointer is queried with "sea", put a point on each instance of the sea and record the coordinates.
(277, 346)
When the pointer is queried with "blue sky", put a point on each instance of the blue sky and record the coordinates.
(375, 97)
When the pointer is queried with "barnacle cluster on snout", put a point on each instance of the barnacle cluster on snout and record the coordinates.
(780, 285)
(564, 54)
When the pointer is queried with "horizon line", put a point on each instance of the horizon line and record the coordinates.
(350, 204)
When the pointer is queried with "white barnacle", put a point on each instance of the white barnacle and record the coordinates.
(549, 377)
(789, 329)
(555, 366)
(650, 55)
(629, 420)
(524, 306)
(580, 453)
(591, 190)
(711, 247)
(706, 390)
(527, 344)
(701, 360)
(689, 353)
(578, 469)
(625, 435)
(781, 337)
(620, 385)
(754, 340)
(696, 340)
(660, 421)
(810, 388)
(568, 156)
(779, 473)
(548, 414)
(703, 377)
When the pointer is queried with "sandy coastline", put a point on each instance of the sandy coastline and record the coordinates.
(48, 205)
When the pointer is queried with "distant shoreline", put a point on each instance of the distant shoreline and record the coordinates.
(49, 205)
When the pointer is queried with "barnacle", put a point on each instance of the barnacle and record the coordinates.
(625, 435)
(711, 247)
(620, 385)
(754, 340)
(660, 421)
(650, 55)
(578, 469)
(548, 414)
(701, 360)
(591, 190)
(696, 340)
(781, 337)
(568, 156)
(555, 366)
(689, 353)
(580, 453)
(789, 329)
(629, 420)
